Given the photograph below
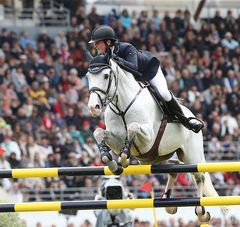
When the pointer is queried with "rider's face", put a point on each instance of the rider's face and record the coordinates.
(100, 46)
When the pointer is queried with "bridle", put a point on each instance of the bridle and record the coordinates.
(108, 99)
(114, 107)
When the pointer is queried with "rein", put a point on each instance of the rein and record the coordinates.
(123, 113)
(97, 67)
(151, 155)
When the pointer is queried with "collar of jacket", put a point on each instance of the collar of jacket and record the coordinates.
(116, 48)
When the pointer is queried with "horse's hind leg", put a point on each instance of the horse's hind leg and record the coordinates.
(209, 190)
(192, 153)
(199, 179)
(200, 211)
(205, 187)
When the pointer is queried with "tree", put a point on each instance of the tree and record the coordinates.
(10, 219)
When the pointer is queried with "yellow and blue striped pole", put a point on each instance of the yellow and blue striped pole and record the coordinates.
(120, 204)
(134, 169)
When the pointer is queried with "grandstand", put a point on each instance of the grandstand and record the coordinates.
(44, 121)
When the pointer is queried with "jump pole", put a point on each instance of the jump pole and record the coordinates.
(119, 204)
(133, 169)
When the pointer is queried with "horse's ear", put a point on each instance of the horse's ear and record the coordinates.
(108, 54)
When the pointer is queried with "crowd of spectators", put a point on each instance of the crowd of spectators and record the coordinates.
(44, 121)
(232, 221)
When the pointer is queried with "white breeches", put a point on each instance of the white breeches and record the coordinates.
(160, 83)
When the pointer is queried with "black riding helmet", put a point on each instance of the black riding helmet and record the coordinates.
(103, 32)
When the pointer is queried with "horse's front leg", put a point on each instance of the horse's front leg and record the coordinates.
(142, 132)
(101, 136)
(168, 191)
(125, 153)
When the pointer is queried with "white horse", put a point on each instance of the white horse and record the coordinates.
(133, 119)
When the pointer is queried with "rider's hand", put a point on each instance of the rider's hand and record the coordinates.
(118, 60)
(115, 57)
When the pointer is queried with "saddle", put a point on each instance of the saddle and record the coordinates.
(167, 115)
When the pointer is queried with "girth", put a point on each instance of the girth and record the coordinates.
(152, 154)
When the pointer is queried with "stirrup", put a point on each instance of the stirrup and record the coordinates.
(195, 128)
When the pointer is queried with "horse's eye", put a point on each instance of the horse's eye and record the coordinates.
(105, 76)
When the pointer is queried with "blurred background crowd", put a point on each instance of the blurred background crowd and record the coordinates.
(44, 121)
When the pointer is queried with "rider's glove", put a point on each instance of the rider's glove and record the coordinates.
(115, 57)
(118, 60)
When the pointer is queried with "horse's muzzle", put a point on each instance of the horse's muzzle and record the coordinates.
(94, 105)
(94, 110)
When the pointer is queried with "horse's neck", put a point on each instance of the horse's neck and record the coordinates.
(127, 88)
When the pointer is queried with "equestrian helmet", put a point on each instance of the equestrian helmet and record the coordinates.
(103, 32)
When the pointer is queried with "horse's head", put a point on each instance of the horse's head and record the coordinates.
(102, 83)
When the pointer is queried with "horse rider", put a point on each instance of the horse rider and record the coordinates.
(143, 63)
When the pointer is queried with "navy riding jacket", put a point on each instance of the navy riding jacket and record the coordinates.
(141, 61)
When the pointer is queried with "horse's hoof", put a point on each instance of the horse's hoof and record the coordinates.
(225, 209)
(113, 166)
(119, 170)
(200, 211)
(205, 218)
(105, 159)
(125, 164)
(124, 161)
(124, 156)
(171, 210)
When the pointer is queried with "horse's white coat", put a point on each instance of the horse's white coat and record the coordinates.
(143, 121)
(146, 114)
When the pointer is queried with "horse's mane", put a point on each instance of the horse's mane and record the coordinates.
(100, 62)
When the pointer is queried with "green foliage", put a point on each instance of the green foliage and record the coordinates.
(10, 219)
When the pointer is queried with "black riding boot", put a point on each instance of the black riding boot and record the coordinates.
(191, 123)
